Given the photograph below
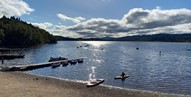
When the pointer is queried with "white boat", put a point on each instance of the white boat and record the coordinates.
(95, 82)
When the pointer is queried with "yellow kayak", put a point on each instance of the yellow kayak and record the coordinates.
(121, 77)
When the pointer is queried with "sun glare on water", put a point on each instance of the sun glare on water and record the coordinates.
(97, 43)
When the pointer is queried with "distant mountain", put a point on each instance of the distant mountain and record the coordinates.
(17, 33)
(61, 38)
(158, 37)
(155, 37)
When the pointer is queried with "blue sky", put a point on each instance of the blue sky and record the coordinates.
(103, 18)
(46, 10)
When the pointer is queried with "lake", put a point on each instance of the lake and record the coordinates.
(168, 72)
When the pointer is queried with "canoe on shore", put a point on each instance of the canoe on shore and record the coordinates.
(95, 82)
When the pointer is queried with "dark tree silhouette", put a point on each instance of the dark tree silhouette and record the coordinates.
(17, 33)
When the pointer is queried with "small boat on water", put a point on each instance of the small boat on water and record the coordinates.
(72, 62)
(95, 82)
(57, 59)
(80, 60)
(55, 65)
(65, 63)
(121, 77)
(87, 45)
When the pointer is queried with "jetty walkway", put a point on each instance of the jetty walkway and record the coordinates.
(36, 66)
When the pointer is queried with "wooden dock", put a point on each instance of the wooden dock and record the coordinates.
(11, 56)
(34, 66)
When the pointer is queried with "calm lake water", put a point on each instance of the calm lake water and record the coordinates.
(169, 71)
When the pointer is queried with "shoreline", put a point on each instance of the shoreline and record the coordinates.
(23, 84)
(108, 86)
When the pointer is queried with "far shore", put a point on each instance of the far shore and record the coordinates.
(19, 84)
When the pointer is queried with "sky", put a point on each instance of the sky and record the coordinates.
(102, 18)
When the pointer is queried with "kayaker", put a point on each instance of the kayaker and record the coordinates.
(123, 74)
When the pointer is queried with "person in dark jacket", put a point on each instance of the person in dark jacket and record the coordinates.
(123, 74)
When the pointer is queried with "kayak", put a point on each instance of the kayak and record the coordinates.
(95, 82)
(120, 77)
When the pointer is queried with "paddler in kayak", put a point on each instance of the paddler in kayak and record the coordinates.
(123, 74)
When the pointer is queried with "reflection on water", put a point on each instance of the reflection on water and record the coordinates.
(148, 70)
(92, 75)
(97, 43)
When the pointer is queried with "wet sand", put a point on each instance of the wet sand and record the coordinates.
(19, 84)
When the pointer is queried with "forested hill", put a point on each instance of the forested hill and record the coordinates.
(17, 33)
(155, 37)
(158, 37)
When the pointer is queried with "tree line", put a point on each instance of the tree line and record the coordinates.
(159, 37)
(17, 33)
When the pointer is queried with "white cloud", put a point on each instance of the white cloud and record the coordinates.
(61, 30)
(57, 29)
(97, 27)
(14, 8)
(75, 20)
(47, 26)
(136, 22)
(141, 18)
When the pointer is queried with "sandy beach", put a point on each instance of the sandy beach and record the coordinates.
(19, 84)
